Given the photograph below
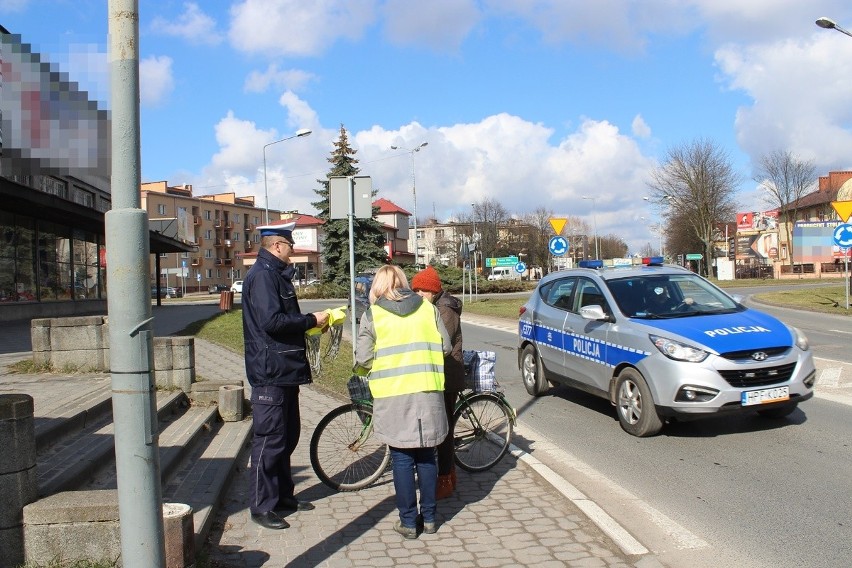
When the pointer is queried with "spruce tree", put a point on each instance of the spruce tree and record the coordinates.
(369, 237)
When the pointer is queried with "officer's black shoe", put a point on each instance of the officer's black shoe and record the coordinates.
(270, 520)
(292, 504)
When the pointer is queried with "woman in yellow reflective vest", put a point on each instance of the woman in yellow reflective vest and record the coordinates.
(402, 342)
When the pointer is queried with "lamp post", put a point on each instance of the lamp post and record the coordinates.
(595, 221)
(830, 24)
(411, 152)
(298, 134)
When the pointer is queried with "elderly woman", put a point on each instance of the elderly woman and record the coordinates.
(402, 342)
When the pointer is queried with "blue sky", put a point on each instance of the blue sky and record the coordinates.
(535, 103)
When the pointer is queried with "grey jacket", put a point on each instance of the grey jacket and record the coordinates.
(416, 420)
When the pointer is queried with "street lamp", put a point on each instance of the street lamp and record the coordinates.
(298, 134)
(829, 24)
(413, 191)
(595, 221)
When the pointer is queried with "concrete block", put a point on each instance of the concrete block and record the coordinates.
(40, 335)
(163, 379)
(17, 433)
(162, 353)
(69, 338)
(231, 403)
(183, 378)
(17, 489)
(183, 352)
(207, 392)
(73, 525)
(179, 535)
(12, 547)
(82, 359)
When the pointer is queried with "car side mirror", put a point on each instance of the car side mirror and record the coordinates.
(594, 312)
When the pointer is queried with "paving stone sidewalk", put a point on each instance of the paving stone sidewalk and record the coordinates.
(509, 516)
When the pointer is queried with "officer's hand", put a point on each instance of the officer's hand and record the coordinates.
(322, 319)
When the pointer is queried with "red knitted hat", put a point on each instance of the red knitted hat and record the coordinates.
(427, 280)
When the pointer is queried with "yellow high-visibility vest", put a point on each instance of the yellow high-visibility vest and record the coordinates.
(409, 357)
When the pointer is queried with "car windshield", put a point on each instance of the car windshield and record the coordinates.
(669, 296)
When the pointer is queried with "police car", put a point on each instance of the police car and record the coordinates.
(659, 342)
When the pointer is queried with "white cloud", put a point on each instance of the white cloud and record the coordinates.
(295, 27)
(640, 128)
(284, 79)
(439, 24)
(155, 80)
(193, 25)
(800, 98)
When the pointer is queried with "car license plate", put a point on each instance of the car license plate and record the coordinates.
(765, 396)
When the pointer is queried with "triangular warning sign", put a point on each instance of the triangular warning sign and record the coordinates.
(558, 224)
(843, 208)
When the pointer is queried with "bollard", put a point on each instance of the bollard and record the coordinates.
(18, 485)
(231, 403)
(179, 534)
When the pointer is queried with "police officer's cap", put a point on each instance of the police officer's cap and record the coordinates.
(283, 230)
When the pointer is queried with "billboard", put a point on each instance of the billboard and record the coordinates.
(757, 221)
(47, 125)
(813, 241)
(761, 246)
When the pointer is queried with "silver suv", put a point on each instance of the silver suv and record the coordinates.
(658, 342)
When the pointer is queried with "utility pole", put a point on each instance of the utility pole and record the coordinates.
(137, 453)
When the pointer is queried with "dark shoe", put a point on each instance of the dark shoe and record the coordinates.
(410, 533)
(292, 504)
(270, 521)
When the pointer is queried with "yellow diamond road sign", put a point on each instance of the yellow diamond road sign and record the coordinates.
(843, 208)
(558, 224)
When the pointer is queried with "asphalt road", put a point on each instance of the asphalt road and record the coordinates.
(736, 491)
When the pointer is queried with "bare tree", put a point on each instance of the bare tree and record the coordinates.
(613, 246)
(489, 214)
(699, 182)
(539, 235)
(785, 179)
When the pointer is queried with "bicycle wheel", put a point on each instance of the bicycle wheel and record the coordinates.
(344, 454)
(482, 429)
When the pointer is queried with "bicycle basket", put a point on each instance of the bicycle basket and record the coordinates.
(359, 389)
(479, 373)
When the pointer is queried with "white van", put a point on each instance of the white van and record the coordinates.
(503, 273)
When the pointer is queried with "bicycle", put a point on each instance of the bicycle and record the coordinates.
(346, 457)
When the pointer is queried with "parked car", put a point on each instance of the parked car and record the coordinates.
(237, 287)
(363, 283)
(660, 342)
(217, 288)
(166, 292)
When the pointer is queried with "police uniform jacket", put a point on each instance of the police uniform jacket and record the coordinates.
(273, 326)
(410, 413)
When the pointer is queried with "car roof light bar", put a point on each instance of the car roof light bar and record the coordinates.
(590, 264)
(653, 261)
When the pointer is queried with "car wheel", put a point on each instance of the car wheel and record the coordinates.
(780, 411)
(635, 405)
(532, 372)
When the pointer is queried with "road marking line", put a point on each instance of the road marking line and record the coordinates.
(829, 377)
(682, 538)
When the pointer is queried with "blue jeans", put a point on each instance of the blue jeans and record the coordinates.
(405, 462)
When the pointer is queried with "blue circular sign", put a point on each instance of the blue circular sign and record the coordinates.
(558, 245)
(520, 268)
(843, 235)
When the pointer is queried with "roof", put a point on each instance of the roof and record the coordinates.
(386, 206)
(302, 220)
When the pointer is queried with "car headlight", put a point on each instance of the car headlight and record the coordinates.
(677, 350)
(801, 339)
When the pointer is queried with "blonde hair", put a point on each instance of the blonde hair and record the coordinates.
(387, 282)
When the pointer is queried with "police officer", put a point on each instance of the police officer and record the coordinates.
(276, 364)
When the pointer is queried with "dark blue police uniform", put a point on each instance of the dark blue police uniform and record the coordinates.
(276, 364)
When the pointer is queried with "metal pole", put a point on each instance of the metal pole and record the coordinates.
(352, 262)
(414, 196)
(298, 134)
(137, 455)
